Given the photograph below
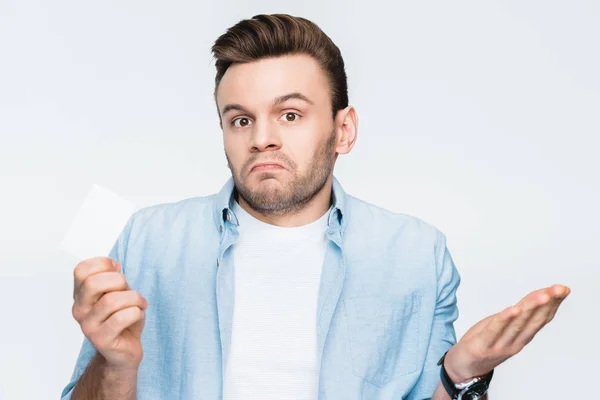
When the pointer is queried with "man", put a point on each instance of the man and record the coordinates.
(282, 286)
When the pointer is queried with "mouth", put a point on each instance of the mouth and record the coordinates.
(268, 166)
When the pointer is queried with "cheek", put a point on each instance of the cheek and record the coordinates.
(303, 158)
(302, 142)
(230, 143)
(234, 155)
(305, 146)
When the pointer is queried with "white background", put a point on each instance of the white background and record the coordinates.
(481, 118)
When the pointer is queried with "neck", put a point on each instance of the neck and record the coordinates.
(312, 211)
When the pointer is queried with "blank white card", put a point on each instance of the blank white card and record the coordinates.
(97, 224)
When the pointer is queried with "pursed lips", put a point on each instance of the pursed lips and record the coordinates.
(267, 166)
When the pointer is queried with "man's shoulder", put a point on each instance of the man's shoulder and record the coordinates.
(198, 210)
(400, 248)
(367, 216)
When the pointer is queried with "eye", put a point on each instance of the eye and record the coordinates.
(291, 116)
(241, 122)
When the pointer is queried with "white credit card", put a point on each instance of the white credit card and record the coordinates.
(98, 224)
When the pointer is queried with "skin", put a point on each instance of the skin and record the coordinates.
(500, 336)
(112, 318)
(299, 133)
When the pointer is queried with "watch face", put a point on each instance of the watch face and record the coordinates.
(476, 391)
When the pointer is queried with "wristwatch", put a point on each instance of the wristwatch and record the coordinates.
(473, 389)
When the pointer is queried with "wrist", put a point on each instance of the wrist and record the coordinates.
(453, 368)
(114, 371)
(456, 377)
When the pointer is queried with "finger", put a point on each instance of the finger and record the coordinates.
(497, 325)
(89, 267)
(119, 321)
(553, 313)
(535, 323)
(556, 302)
(559, 293)
(96, 285)
(530, 306)
(541, 318)
(109, 304)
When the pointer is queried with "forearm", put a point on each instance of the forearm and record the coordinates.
(441, 394)
(102, 382)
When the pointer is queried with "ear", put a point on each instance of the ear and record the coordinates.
(346, 126)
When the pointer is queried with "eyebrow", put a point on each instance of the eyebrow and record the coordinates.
(278, 100)
(295, 95)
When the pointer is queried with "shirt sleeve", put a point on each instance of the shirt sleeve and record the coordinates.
(87, 351)
(443, 335)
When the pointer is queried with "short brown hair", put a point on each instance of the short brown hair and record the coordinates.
(274, 35)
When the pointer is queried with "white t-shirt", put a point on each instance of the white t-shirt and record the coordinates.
(273, 353)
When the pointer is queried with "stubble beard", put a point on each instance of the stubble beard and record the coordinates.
(283, 198)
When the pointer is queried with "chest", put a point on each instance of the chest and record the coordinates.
(365, 316)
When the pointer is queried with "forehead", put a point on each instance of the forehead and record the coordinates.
(258, 83)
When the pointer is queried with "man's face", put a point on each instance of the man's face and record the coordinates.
(277, 112)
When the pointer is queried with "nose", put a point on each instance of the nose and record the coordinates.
(265, 137)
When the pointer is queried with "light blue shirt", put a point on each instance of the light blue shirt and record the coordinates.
(386, 303)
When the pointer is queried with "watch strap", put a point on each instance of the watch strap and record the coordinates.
(471, 390)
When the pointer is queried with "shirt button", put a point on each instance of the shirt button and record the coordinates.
(221, 228)
(229, 217)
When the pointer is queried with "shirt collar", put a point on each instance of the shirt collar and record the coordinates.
(224, 203)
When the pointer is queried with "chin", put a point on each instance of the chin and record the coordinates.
(269, 188)
(266, 178)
